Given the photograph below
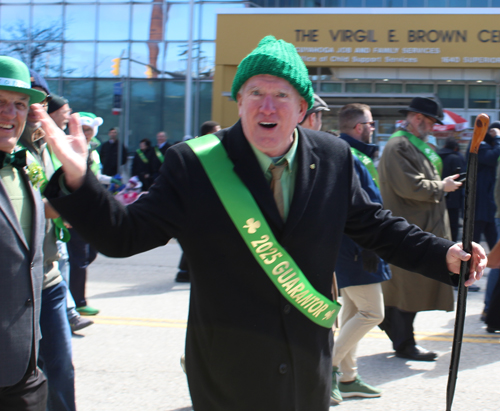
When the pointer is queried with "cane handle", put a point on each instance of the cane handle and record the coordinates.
(480, 129)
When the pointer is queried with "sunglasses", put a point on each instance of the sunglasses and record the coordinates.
(371, 123)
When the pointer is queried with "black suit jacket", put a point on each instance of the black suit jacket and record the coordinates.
(246, 347)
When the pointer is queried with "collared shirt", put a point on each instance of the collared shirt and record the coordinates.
(19, 197)
(289, 175)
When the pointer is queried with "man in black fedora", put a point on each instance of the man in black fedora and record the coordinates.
(411, 187)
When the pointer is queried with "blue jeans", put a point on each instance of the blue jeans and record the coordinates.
(55, 349)
(64, 269)
(492, 276)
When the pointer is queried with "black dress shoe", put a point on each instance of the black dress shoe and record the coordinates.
(416, 353)
(492, 330)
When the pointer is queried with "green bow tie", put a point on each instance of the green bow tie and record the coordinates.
(16, 159)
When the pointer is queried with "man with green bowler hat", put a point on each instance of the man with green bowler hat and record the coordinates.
(259, 209)
(22, 227)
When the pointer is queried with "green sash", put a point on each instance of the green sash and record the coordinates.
(257, 235)
(142, 156)
(428, 152)
(368, 163)
(159, 155)
(39, 179)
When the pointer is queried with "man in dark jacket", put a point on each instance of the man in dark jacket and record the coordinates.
(359, 271)
(245, 332)
(143, 163)
(453, 163)
(109, 154)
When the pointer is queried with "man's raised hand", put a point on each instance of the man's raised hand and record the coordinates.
(71, 150)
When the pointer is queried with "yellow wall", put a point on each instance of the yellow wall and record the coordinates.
(337, 39)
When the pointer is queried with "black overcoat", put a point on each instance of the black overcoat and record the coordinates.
(246, 347)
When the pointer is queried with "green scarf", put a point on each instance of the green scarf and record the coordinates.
(243, 210)
(428, 152)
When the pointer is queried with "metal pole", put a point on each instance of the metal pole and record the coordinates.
(119, 140)
(189, 71)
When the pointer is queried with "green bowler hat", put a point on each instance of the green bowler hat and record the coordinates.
(15, 76)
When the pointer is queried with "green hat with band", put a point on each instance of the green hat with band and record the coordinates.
(277, 58)
(15, 76)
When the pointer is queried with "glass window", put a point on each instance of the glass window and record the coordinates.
(437, 3)
(332, 3)
(479, 3)
(103, 105)
(54, 86)
(114, 22)
(78, 60)
(482, 96)
(313, 73)
(47, 61)
(325, 73)
(173, 109)
(176, 59)
(451, 96)
(288, 3)
(145, 111)
(388, 88)
(47, 22)
(14, 22)
(312, 3)
(146, 53)
(205, 107)
(147, 20)
(106, 52)
(176, 27)
(353, 3)
(206, 60)
(36, 1)
(460, 3)
(80, 22)
(374, 3)
(358, 88)
(415, 3)
(419, 88)
(80, 94)
(395, 3)
(331, 87)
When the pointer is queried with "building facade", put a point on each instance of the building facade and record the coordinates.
(72, 43)
(383, 57)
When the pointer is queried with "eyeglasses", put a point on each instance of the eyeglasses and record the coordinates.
(371, 123)
(45, 102)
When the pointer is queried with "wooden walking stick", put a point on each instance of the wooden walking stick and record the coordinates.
(480, 129)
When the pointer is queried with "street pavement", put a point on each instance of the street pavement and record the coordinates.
(129, 359)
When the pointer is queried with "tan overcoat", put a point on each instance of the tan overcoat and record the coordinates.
(412, 188)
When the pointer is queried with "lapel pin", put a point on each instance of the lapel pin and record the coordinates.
(312, 166)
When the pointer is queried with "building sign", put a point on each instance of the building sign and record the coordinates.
(460, 38)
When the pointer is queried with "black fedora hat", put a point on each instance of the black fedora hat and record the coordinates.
(427, 107)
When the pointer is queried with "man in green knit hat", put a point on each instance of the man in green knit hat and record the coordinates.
(259, 209)
(23, 386)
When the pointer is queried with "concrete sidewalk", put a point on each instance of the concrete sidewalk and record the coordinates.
(129, 359)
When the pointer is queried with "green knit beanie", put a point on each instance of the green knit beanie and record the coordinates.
(277, 58)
